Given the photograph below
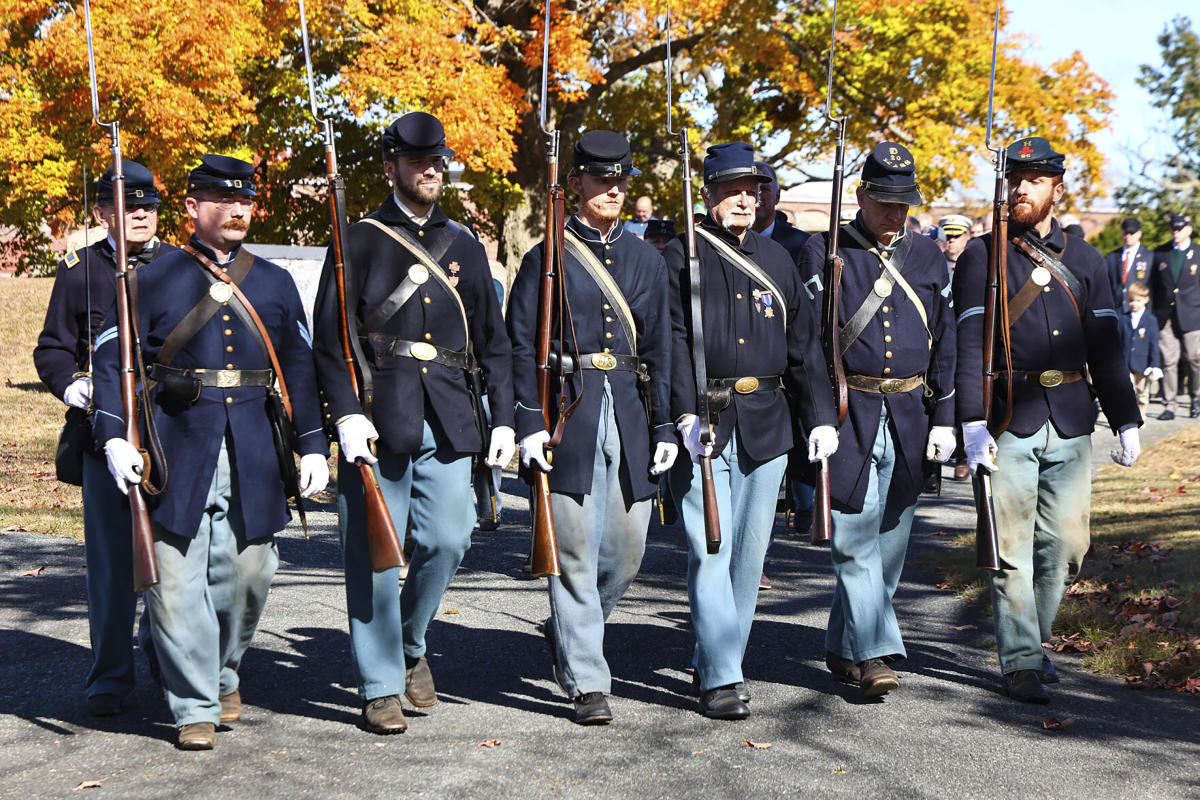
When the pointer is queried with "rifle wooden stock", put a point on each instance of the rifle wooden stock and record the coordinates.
(712, 531)
(987, 541)
(383, 541)
(145, 565)
(822, 532)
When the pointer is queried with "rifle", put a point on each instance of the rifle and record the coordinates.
(987, 545)
(544, 558)
(145, 566)
(822, 531)
(708, 417)
(382, 539)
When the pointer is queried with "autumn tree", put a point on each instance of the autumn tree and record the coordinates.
(229, 76)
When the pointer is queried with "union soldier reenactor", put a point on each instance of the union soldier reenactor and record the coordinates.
(898, 351)
(605, 469)
(420, 297)
(1175, 301)
(760, 338)
(63, 360)
(1062, 321)
(211, 368)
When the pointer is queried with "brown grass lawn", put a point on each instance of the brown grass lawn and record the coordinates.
(30, 418)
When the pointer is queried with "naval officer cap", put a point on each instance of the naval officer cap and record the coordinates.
(223, 175)
(1035, 154)
(139, 186)
(1131, 225)
(954, 224)
(603, 154)
(729, 161)
(889, 175)
(415, 135)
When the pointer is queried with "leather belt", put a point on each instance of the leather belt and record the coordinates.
(865, 383)
(747, 384)
(1047, 378)
(393, 346)
(602, 361)
(217, 378)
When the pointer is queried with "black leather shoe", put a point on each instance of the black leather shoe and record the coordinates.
(104, 705)
(843, 669)
(384, 715)
(1024, 685)
(1195, 411)
(743, 691)
(877, 678)
(1046, 673)
(723, 703)
(1168, 414)
(592, 709)
(418, 685)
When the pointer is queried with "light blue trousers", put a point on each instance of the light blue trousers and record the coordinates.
(601, 540)
(723, 587)
(868, 555)
(1041, 491)
(432, 487)
(108, 554)
(210, 596)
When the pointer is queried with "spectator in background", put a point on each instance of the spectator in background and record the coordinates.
(953, 238)
(643, 212)
(984, 221)
(1070, 224)
(1175, 298)
(1128, 264)
(1141, 344)
(772, 223)
(659, 232)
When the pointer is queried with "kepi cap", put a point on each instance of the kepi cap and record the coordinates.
(1034, 153)
(889, 175)
(1180, 221)
(659, 227)
(416, 135)
(139, 185)
(725, 162)
(222, 174)
(603, 154)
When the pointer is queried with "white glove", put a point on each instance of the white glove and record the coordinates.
(822, 442)
(533, 451)
(940, 445)
(314, 474)
(501, 447)
(355, 434)
(1131, 448)
(124, 463)
(664, 457)
(979, 445)
(689, 428)
(79, 393)
(1153, 373)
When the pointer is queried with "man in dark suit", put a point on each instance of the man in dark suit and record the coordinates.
(772, 223)
(1175, 301)
(1129, 263)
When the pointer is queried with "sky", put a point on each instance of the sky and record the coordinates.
(1116, 37)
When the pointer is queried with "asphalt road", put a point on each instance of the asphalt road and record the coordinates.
(947, 732)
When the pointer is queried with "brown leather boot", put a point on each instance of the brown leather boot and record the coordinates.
(197, 736)
(877, 678)
(418, 685)
(231, 706)
(384, 715)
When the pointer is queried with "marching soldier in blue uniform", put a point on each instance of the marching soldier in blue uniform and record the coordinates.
(211, 372)
(1062, 322)
(760, 347)
(420, 298)
(1175, 301)
(605, 469)
(898, 351)
(63, 359)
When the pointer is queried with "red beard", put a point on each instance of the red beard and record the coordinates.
(1029, 215)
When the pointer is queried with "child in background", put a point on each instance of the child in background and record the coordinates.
(1141, 344)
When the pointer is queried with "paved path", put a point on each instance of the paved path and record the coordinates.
(947, 732)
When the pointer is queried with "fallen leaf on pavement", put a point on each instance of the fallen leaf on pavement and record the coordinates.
(966, 627)
(89, 784)
(758, 745)
(490, 743)
(839, 770)
(451, 611)
(16, 529)
(1055, 724)
(36, 572)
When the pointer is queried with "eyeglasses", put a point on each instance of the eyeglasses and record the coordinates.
(226, 202)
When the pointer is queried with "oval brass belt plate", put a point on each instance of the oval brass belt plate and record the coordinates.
(221, 292)
(422, 351)
(891, 385)
(1040, 276)
(746, 385)
(1051, 377)
(604, 361)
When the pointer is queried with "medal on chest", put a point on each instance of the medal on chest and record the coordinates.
(453, 269)
(763, 302)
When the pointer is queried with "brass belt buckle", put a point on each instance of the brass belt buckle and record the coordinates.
(1050, 378)
(228, 378)
(745, 385)
(422, 351)
(891, 385)
(605, 361)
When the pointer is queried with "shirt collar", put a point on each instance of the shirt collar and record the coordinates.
(590, 234)
(1185, 246)
(212, 254)
(408, 212)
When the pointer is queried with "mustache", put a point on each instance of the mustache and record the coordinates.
(235, 225)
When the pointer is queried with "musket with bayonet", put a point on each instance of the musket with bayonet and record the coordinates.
(987, 548)
(830, 334)
(145, 566)
(383, 541)
(707, 416)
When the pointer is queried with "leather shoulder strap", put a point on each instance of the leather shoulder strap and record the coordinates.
(608, 287)
(747, 267)
(1036, 252)
(890, 275)
(203, 311)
